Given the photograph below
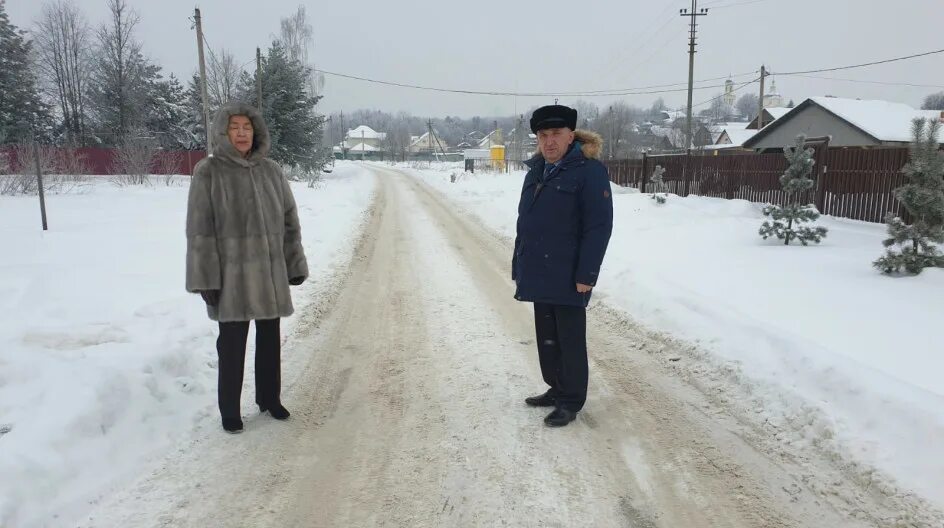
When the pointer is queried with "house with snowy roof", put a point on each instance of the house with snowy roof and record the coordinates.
(770, 115)
(362, 142)
(848, 122)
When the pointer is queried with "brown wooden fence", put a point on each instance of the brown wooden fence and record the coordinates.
(851, 183)
(101, 161)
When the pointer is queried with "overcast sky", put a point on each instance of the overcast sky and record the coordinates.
(557, 46)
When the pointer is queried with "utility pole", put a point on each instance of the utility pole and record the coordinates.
(259, 79)
(760, 113)
(341, 132)
(693, 28)
(39, 182)
(203, 81)
(432, 149)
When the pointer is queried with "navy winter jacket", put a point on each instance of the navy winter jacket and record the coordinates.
(564, 226)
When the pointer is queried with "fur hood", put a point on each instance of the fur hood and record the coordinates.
(591, 144)
(222, 148)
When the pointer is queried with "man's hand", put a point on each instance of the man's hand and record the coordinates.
(295, 281)
(583, 288)
(211, 297)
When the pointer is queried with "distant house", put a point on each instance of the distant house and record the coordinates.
(770, 115)
(364, 135)
(848, 122)
(361, 142)
(493, 139)
(427, 144)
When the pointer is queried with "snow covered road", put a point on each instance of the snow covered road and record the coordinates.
(409, 413)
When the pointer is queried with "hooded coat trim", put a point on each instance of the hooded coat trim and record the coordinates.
(564, 225)
(224, 149)
(591, 145)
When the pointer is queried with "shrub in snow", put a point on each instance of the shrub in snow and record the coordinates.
(786, 219)
(913, 247)
(659, 188)
(134, 159)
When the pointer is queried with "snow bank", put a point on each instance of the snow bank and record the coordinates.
(105, 360)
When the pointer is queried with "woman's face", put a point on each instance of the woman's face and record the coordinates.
(240, 133)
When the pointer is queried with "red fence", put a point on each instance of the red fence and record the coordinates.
(101, 161)
(851, 183)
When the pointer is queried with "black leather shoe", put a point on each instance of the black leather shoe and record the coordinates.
(233, 425)
(276, 411)
(543, 400)
(559, 417)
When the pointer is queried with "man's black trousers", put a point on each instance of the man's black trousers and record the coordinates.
(231, 347)
(562, 349)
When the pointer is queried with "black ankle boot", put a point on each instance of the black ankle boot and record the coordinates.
(276, 411)
(233, 425)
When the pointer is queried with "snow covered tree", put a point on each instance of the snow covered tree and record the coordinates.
(166, 111)
(289, 111)
(192, 127)
(747, 105)
(786, 219)
(119, 78)
(923, 197)
(23, 113)
(934, 101)
(659, 188)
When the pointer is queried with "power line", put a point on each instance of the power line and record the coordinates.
(886, 61)
(643, 90)
(913, 85)
(735, 4)
(736, 89)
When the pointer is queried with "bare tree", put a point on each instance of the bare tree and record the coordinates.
(587, 113)
(134, 159)
(297, 35)
(747, 105)
(118, 68)
(615, 124)
(63, 38)
(934, 102)
(223, 78)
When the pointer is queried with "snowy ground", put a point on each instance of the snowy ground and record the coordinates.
(811, 342)
(105, 361)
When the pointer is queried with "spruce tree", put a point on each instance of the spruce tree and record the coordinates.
(913, 246)
(23, 114)
(659, 188)
(786, 219)
(289, 110)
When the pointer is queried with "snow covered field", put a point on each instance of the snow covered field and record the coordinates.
(812, 341)
(105, 360)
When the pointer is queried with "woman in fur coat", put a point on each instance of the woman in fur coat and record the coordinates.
(244, 249)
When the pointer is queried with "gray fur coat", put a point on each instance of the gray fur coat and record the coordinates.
(243, 235)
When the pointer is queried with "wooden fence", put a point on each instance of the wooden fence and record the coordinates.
(101, 161)
(851, 183)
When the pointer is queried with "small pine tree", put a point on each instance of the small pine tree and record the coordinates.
(787, 218)
(923, 197)
(659, 188)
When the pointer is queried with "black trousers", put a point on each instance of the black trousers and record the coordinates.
(562, 350)
(231, 348)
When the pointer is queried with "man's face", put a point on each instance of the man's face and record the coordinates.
(240, 133)
(553, 143)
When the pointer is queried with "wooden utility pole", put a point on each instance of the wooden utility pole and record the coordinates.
(39, 181)
(259, 79)
(760, 113)
(693, 28)
(203, 81)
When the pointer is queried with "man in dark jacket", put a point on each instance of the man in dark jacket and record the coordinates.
(565, 218)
